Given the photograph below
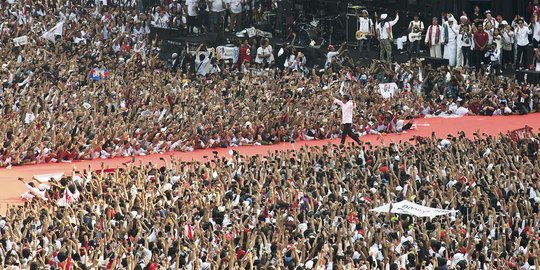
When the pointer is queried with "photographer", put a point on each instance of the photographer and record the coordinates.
(494, 60)
(522, 99)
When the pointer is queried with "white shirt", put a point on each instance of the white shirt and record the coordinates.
(458, 257)
(522, 35)
(365, 25)
(536, 31)
(202, 68)
(453, 31)
(263, 51)
(508, 40)
(434, 29)
(192, 7)
(466, 39)
(383, 31)
(217, 5)
(330, 57)
(346, 110)
(416, 24)
(493, 22)
(493, 56)
(236, 6)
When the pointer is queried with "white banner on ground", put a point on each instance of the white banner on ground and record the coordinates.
(44, 178)
(388, 89)
(413, 209)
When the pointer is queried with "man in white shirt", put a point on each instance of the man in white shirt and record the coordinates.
(508, 40)
(332, 54)
(494, 59)
(191, 10)
(416, 27)
(202, 63)
(535, 27)
(434, 38)
(365, 26)
(217, 7)
(265, 55)
(384, 33)
(489, 19)
(522, 33)
(235, 7)
(347, 109)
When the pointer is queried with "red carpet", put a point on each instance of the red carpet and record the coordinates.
(12, 189)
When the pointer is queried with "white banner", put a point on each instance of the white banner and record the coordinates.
(20, 41)
(388, 89)
(228, 53)
(57, 30)
(251, 32)
(413, 209)
(44, 178)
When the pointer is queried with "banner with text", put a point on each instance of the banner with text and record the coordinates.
(387, 90)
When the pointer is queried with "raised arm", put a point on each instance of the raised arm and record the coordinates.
(337, 101)
(393, 22)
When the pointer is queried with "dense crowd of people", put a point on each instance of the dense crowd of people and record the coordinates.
(71, 95)
(83, 80)
(305, 209)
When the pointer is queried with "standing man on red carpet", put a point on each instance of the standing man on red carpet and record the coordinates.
(347, 107)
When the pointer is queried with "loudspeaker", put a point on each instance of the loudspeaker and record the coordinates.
(527, 76)
(180, 36)
(435, 62)
(352, 25)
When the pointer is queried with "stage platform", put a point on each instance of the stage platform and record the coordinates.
(12, 189)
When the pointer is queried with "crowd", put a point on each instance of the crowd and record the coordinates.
(482, 38)
(307, 209)
(84, 81)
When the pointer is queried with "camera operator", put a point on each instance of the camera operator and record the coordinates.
(494, 61)
(522, 98)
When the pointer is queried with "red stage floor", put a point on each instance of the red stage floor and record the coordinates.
(12, 189)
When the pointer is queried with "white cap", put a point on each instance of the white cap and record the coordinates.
(504, 22)
(384, 16)
(399, 188)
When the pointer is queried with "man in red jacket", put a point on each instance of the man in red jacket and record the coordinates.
(480, 39)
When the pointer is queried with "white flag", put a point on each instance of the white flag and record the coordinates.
(57, 30)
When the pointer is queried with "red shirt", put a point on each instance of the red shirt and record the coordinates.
(480, 39)
(244, 54)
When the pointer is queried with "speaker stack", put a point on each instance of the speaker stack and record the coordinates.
(528, 76)
(353, 12)
(435, 62)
